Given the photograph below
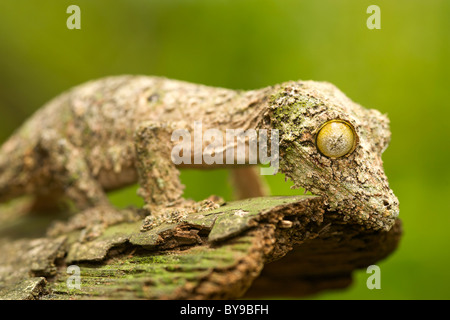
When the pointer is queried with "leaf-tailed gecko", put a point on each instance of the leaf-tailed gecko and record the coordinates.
(112, 132)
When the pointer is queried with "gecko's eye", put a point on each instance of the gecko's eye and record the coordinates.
(336, 138)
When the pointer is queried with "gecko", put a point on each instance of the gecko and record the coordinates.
(112, 132)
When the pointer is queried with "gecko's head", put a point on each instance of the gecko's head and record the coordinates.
(331, 146)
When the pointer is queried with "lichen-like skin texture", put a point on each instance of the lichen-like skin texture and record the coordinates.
(354, 186)
(112, 132)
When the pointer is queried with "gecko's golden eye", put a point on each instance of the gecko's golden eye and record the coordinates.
(336, 138)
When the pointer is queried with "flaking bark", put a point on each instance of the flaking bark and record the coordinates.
(260, 247)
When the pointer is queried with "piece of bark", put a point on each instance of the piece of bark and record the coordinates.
(258, 247)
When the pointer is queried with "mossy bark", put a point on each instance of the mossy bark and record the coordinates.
(259, 247)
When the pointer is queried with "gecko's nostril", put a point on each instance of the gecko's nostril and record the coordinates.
(387, 204)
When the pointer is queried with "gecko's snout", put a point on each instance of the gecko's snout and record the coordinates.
(379, 208)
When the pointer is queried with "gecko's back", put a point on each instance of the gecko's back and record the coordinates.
(98, 119)
(108, 133)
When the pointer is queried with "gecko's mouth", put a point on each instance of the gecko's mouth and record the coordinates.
(377, 211)
(373, 206)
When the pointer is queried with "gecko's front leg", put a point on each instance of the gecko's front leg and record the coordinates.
(159, 182)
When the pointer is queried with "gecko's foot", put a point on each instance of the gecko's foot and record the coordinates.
(176, 202)
(155, 209)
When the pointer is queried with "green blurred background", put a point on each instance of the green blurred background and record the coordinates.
(402, 70)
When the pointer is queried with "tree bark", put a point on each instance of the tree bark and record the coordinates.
(258, 247)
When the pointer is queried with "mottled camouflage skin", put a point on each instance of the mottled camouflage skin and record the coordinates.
(112, 132)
